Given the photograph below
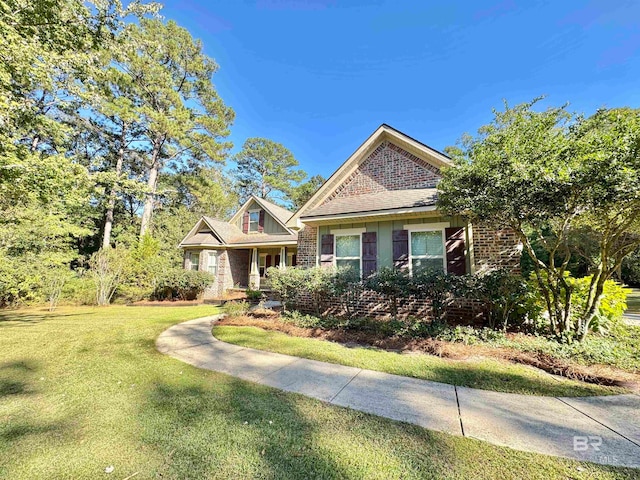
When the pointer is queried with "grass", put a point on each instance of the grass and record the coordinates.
(84, 388)
(633, 301)
(485, 373)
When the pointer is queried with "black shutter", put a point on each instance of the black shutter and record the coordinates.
(261, 222)
(326, 250)
(401, 249)
(455, 247)
(369, 253)
(245, 222)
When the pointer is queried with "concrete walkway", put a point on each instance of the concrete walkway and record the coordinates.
(632, 319)
(597, 429)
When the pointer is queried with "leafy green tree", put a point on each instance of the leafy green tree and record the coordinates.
(266, 169)
(607, 145)
(46, 50)
(545, 175)
(183, 119)
(300, 194)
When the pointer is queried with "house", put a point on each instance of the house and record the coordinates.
(239, 251)
(377, 210)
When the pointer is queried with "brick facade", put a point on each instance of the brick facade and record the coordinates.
(495, 248)
(239, 267)
(307, 246)
(373, 305)
(389, 167)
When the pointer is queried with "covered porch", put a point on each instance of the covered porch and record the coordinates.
(263, 258)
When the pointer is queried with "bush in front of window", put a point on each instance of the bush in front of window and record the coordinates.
(392, 284)
(347, 288)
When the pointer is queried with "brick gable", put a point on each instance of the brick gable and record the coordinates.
(388, 167)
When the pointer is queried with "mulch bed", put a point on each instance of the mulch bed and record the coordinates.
(596, 374)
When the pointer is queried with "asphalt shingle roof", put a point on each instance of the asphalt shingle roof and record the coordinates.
(281, 213)
(202, 238)
(373, 202)
(232, 235)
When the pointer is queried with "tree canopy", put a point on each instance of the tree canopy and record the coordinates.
(267, 170)
(549, 175)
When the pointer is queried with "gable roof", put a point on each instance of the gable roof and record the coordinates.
(280, 214)
(228, 234)
(382, 133)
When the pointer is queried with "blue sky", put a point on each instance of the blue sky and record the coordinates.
(319, 76)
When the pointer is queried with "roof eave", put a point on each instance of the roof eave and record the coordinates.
(371, 213)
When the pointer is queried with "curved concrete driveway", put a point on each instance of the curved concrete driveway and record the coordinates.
(597, 429)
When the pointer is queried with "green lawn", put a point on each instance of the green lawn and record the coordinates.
(633, 301)
(84, 388)
(487, 374)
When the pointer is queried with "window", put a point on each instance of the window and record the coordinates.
(254, 220)
(291, 259)
(194, 260)
(212, 263)
(427, 250)
(348, 251)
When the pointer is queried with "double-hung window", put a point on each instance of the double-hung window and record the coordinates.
(348, 251)
(194, 261)
(254, 220)
(426, 249)
(212, 263)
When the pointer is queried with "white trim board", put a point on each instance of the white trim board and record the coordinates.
(347, 231)
(425, 227)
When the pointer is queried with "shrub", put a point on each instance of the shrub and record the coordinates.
(254, 295)
(182, 284)
(435, 285)
(303, 320)
(108, 268)
(509, 299)
(609, 315)
(287, 284)
(236, 309)
(612, 305)
(318, 283)
(346, 288)
(392, 284)
(19, 279)
(80, 289)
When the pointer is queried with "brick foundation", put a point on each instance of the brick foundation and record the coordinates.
(373, 305)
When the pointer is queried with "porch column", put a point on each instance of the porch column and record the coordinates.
(283, 258)
(254, 276)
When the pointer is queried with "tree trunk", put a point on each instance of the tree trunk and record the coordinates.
(147, 210)
(108, 223)
(34, 143)
(152, 183)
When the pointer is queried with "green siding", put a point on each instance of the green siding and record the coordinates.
(385, 233)
(271, 225)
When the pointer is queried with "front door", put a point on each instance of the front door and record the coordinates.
(267, 261)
